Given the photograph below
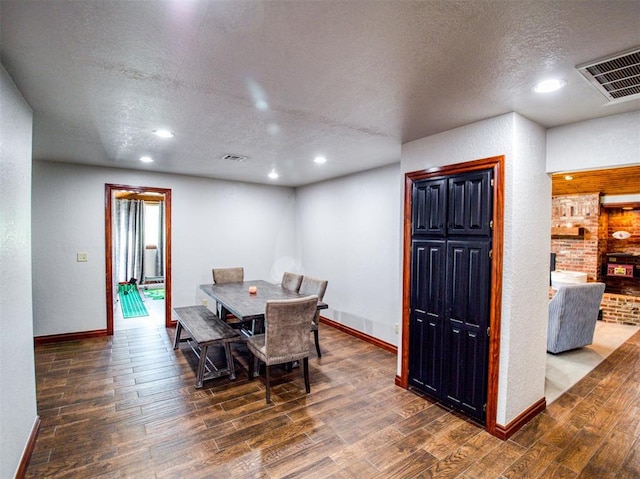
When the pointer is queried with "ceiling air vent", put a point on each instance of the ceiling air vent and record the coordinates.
(232, 157)
(616, 77)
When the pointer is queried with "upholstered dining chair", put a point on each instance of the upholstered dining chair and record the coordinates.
(318, 287)
(291, 281)
(573, 313)
(227, 275)
(286, 337)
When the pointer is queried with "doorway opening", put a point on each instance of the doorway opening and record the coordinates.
(138, 256)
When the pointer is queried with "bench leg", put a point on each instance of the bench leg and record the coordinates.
(230, 365)
(201, 366)
(176, 340)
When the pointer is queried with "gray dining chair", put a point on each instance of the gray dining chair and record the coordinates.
(318, 287)
(227, 275)
(286, 338)
(291, 281)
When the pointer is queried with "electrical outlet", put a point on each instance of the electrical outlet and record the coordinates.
(205, 302)
(82, 257)
(396, 328)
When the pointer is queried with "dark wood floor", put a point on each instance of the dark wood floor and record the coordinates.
(125, 406)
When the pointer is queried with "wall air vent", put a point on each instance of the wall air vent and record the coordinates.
(232, 157)
(616, 77)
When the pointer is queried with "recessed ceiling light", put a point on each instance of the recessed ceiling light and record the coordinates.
(163, 133)
(273, 175)
(548, 86)
(146, 159)
(568, 177)
(320, 159)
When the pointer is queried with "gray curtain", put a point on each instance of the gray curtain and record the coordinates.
(160, 250)
(129, 240)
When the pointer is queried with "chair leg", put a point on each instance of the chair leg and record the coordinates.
(256, 367)
(315, 337)
(268, 378)
(305, 367)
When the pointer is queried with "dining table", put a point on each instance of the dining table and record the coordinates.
(247, 301)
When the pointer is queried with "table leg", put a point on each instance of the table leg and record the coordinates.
(176, 340)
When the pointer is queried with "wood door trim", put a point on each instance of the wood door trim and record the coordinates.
(108, 218)
(497, 164)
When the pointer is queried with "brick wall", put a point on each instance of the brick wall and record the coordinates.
(587, 254)
(621, 220)
(617, 308)
(578, 254)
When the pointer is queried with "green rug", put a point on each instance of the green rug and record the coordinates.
(131, 302)
(157, 293)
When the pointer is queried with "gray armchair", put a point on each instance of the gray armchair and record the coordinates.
(573, 313)
(318, 287)
(286, 337)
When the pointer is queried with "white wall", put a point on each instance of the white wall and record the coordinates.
(18, 412)
(526, 271)
(527, 211)
(349, 234)
(214, 223)
(594, 144)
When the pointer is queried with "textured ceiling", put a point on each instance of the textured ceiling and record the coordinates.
(283, 81)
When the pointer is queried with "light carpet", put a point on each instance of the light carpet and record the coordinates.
(566, 369)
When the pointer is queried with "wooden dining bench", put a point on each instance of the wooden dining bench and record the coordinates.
(205, 329)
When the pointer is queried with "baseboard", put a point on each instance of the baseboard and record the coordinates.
(360, 335)
(57, 338)
(505, 432)
(28, 450)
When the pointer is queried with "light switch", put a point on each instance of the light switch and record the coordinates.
(82, 257)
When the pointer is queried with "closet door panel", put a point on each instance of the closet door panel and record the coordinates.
(427, 311)
(465, 324)
(429, 207)
(469, 204)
